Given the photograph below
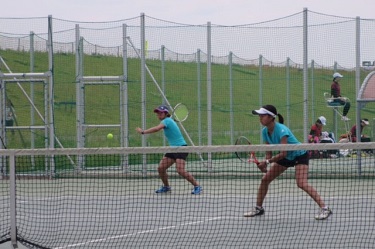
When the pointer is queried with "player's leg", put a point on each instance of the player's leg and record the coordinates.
(302, 183)
(164, 164)
(271, 175)
(180, 166)
(346, 108)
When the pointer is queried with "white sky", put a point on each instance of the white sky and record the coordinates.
(189, 11)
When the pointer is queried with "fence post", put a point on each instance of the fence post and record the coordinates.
(312, 91)
(199, 80)
(260, 90)
(288, 91)
(305, 76)
(162, 58)
(230, 62)
(209, 95)
(124, 100)
(143, 88)
(357, 84)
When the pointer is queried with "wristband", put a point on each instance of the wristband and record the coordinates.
(142, 132)
(268, 162)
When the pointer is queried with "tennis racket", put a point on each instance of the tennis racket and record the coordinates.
(245, 156)
(180, 112)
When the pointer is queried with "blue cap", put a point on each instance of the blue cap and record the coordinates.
(161, 108)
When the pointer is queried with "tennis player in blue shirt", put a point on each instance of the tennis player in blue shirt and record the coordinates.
(277, 133)
(175, 138)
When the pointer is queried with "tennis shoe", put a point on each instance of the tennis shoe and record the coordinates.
(197, 190)
(324, 214)
(163, 189)
(345, 118)
(255, 212)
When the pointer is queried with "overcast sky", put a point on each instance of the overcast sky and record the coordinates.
(188, 12)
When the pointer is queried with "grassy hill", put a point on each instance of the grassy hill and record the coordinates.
(181, 85)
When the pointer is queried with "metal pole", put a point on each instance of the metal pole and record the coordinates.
(288, 91)
(50, 96)
(260, 91)
(357, 84)
(230, 59)
(124, 130)
(79, 101)
(162, 51)
(312, 91)
(209, 95)
(12, 200)
(32, 96)
(333, 110)
(199, 97)
(143, 83)
(305, 76)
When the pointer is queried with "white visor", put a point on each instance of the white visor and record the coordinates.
(365, 122)
(263, 111)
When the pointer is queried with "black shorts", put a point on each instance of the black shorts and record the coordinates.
(179, 155)
(175, 156)
(302, 159)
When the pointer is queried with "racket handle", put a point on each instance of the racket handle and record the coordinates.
(253, 159)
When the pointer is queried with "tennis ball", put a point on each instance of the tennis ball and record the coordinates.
(109, 135)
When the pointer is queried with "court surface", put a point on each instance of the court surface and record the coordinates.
(97, 212)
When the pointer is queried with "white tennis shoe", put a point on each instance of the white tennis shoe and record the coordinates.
(324, 214)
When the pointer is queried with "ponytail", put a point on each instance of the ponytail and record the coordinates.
(281, 118)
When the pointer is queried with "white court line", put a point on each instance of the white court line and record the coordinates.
(137, 233)
(207, 220)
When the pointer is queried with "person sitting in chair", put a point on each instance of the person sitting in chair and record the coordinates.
(353, 132)
(315, 135)
(316, 130)
(336, 93)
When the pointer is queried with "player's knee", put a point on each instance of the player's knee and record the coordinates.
(162, 169)
(180, 170)
(266, 180)
(302, 185)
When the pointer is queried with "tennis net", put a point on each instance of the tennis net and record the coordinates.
(105, 197)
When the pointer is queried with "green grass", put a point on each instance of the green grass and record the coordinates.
(181, 85)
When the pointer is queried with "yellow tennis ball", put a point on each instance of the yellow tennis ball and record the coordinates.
(110, 136)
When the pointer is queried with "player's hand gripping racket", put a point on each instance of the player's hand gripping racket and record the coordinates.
(248, 156)
(245, 156)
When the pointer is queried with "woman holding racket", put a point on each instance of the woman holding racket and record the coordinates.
(277, 133)
(175, 138)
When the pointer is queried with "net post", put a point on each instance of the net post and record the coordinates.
(12, 200)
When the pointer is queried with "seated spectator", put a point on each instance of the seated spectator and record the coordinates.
(316, 130)
(353, 131)
(336, 93)
(363, 138)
